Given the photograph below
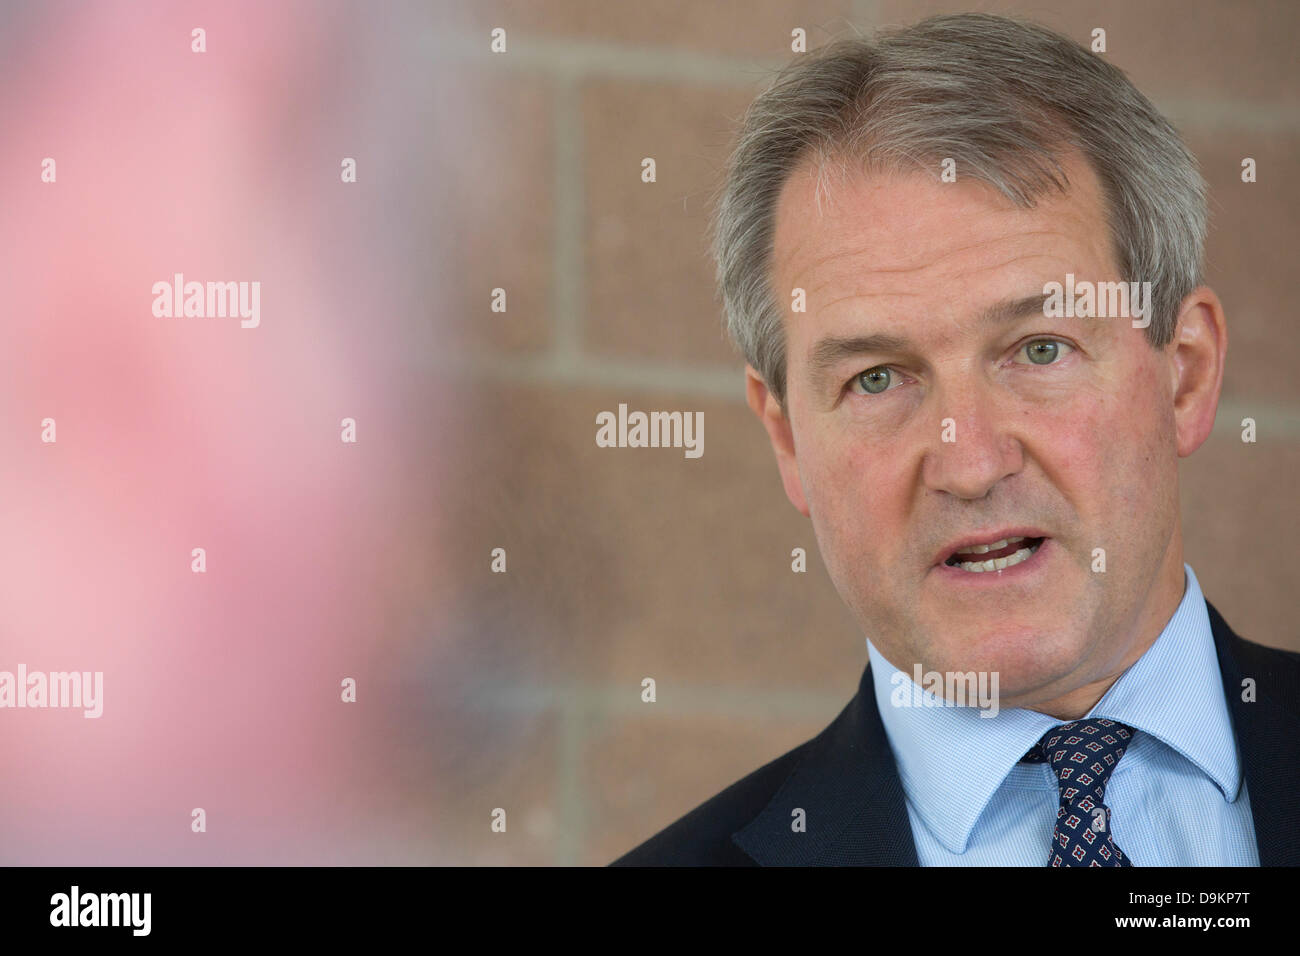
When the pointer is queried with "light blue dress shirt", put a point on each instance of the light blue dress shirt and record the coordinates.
(1177, 796)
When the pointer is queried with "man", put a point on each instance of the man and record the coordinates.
(992, 471)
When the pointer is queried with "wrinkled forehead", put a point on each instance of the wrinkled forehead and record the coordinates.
(913, 228)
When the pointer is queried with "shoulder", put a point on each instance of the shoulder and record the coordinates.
(703, 836)
(1275, 672)
(1273, 660)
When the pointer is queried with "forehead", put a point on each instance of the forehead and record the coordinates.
(910, 234)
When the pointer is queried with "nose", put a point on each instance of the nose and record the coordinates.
(983, 450)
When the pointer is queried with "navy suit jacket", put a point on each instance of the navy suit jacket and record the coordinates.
(846, 780)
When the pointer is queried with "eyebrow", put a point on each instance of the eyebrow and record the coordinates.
(830, 351)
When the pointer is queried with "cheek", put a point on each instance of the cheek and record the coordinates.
(830, 474)
(1110, 445)
(1079, 440)
(853, 491)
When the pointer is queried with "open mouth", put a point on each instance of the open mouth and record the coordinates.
(995, 556)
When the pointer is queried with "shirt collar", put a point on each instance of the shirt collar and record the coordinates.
(929, 740)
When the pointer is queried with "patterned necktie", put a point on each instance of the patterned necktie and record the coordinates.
(1082, 754)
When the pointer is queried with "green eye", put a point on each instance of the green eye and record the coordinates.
(874, 380)
(1044, 351)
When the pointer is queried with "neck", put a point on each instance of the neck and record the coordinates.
(1166, 594)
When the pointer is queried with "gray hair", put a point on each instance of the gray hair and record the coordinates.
(1006, 99)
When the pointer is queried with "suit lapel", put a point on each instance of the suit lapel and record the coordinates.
(848, 787)
(1268, 737)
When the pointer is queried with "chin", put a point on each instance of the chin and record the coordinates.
(1025, 656)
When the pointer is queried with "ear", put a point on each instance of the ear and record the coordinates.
(772, 415)
(1200, 345)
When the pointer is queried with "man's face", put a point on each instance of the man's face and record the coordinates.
(1062, 428)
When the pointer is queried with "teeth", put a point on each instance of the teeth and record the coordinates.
(984, 548)
(996, 564)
